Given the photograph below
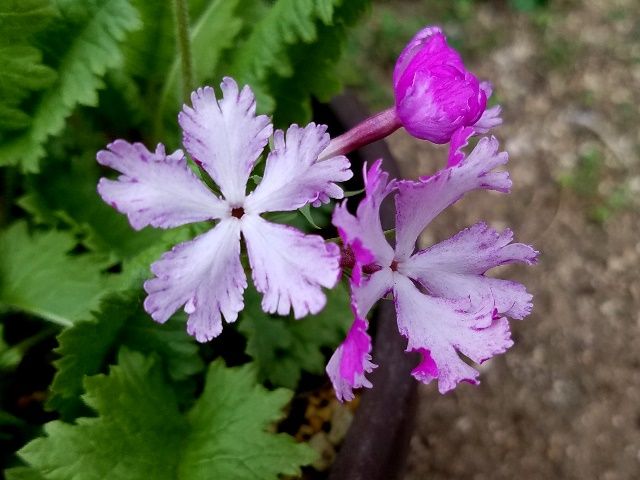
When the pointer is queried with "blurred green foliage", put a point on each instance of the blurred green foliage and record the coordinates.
(76, 75)
(585, 181)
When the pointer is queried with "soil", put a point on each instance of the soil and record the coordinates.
(564, 402)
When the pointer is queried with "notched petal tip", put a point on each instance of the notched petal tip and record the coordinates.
(155, 189)
(225, 135)
(350, 363)
(290, 268)
(206, 276)
(294, 176)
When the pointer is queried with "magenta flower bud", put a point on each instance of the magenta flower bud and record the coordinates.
(435, 95)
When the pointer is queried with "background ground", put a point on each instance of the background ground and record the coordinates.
(564, 403)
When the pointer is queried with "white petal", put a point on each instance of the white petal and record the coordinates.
(439, 329)
(225, 136)
(293, 175)
(288, 267)
(156, 189)
(455, 269)
(370, 290)
(490, 119)
(206, 275)
(417, 203)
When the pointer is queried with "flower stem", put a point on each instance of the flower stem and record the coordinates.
(184, 46)
(373, 128)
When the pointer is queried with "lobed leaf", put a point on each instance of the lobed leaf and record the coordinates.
(291, 53)
(86, 347)
(283, 347)
(22, 69)
(93, 49)
(39, 276)
(140, 433)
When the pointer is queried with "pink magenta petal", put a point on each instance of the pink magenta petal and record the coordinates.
(418, 203)
(289, 267)
(459, 140)
(455, 268)
(363, 232)
(435, 95)
(351, 361)
(443, 328)
(225, 136)
(156, 189)
(427, 370)
(293, 175)
(206, 275)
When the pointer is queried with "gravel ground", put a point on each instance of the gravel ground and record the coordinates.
(564, 403)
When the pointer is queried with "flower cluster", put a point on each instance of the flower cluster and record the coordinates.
(445, 304)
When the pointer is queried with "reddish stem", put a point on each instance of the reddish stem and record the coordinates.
(373, 128)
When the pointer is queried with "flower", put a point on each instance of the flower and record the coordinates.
(444, 302)
(434, 94)
(226, 138)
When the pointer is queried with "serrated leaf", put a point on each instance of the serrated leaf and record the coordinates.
(39, 276)
(283, 347)
(22, 473)
(139, 432)
(263, 53)
(229, 423)
(100, 227)
(22, 70)
(292, 52)
(21, 18)
(213, 32)
(314, 72)
(88, 54)
(121, 320)
(136, 435)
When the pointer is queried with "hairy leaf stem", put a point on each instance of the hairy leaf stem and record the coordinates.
(184, 46)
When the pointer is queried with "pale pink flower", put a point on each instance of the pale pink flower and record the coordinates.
(226, 138)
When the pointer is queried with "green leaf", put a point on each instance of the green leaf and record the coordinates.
(92, 49)
(22, 70)
(21, 18)
(292, 52)
(306, 213)
(99, 226)
(211, 34)
(22, 473)
(283, 347)
(136, 435)
(40, 277)
(12, 355)
(263, 53)
(229, 436)
(86, 347)
(9, 357)
(139, 432)
(315, 64)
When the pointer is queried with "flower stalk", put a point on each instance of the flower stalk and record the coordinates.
(370, 130)
(181, 10)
